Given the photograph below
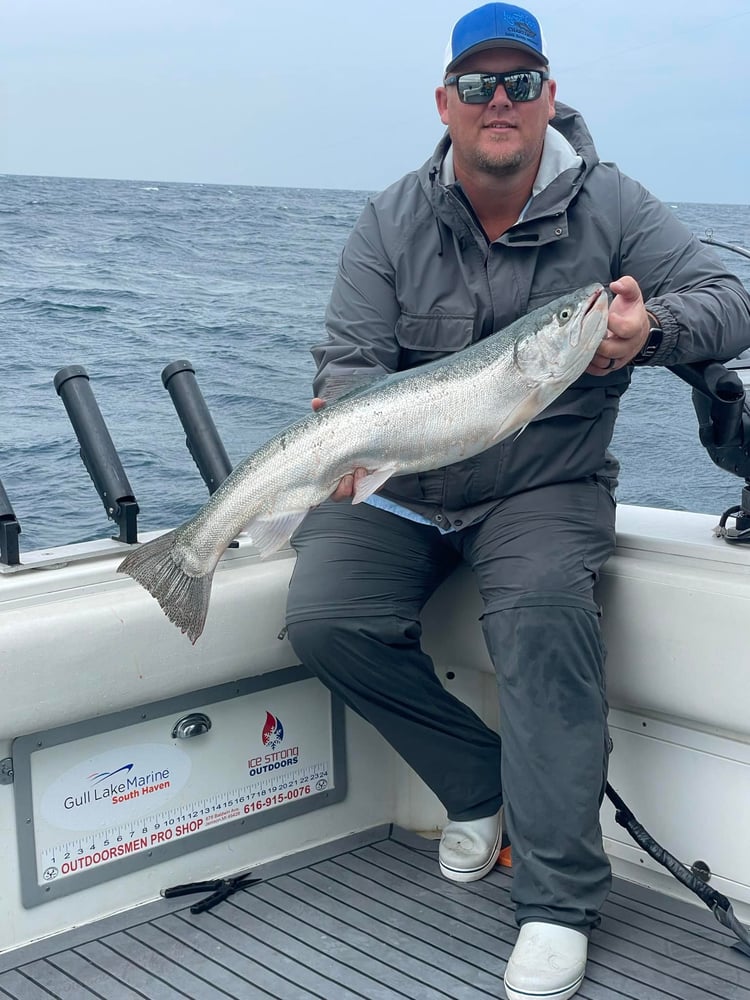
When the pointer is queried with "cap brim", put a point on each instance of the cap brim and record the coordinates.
(496, 43)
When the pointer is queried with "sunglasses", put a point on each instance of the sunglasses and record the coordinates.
(479, 88)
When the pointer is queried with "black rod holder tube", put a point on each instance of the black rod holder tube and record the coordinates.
(201, 436)
(97, 450)
(10, 529)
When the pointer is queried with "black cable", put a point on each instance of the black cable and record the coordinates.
(716, 901)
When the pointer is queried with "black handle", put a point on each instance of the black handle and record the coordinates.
(190, 887)
(97, 450)
(201, 436)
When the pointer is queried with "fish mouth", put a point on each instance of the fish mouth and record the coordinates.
(597, 302)
(594, 300)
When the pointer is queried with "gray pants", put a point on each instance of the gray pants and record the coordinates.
(360, 582)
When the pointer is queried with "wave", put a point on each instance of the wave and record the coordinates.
(47, 307)
(236, 279)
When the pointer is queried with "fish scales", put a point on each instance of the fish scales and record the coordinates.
(411, 421)
(368, 428)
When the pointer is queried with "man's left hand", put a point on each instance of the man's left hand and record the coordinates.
(627, 328)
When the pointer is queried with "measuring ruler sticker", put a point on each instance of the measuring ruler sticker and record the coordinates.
(82, 853)
(112, 795)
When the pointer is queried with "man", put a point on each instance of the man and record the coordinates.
(510, 212)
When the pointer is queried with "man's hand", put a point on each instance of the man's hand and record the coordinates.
(347, 485)
(627, 328)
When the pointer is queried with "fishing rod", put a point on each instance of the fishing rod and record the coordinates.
(735, 248)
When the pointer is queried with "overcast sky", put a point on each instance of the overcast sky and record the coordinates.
(339, 93)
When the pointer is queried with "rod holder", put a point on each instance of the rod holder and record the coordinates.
(97, 450)
(201, 436)
(10, 529)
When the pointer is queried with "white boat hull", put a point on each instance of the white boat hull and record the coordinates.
(80, 641)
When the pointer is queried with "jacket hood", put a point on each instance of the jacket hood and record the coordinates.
(571, 125)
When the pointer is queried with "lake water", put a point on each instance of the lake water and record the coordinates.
(124, 277)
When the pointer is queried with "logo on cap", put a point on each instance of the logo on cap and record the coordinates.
(524, 29)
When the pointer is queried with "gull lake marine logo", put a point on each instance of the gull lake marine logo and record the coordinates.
(273, 732)
(114, 786)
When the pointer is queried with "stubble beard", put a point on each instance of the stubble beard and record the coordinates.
(501, 164)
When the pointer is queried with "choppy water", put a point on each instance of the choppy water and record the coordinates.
(123, 277)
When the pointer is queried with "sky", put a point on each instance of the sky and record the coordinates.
(340, 93)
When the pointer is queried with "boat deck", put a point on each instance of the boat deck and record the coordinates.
(369, 917)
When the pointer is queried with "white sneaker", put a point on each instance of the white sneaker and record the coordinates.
(547, 963)
(470, 849)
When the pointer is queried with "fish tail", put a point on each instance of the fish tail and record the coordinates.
(183, 598)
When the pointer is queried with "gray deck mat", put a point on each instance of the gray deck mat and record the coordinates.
(369, 917)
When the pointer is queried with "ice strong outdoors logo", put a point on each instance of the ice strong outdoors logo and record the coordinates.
(273, 732)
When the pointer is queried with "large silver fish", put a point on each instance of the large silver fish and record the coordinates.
(411, 421)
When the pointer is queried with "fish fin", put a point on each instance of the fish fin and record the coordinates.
(269, 533)
(338, 386)
(367, 485)
(183, 598)
(506, 427)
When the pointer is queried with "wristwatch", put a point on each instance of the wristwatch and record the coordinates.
(652, 345)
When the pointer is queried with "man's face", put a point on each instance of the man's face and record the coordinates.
(499, 138)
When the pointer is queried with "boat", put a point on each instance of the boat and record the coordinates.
(208, 821)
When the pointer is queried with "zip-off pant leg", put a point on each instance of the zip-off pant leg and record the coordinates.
(361, 579)
(536, 558)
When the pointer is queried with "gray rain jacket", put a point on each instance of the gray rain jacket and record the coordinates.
(418, 280)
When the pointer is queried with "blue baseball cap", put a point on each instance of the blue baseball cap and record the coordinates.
(496, 25)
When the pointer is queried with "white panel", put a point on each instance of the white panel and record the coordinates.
(690, 790)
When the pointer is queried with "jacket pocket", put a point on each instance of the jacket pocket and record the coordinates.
(426, 338)
(567, 441)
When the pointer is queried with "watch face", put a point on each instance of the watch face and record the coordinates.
(655, 336)
(652, 345)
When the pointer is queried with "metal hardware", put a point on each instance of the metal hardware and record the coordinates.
(701, 870)
(195, 724)
(6, 771)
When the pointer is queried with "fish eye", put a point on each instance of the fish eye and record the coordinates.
(566, 313)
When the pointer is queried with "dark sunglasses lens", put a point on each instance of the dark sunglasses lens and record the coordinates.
(476, 88)
(479, 88)
(523, 86)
